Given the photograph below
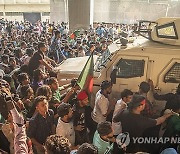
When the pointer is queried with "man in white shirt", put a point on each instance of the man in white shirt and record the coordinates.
(65, 126)
(20, 137)
(102, 106)
(126, 96)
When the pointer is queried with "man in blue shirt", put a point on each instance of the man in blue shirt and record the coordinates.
(103, 137)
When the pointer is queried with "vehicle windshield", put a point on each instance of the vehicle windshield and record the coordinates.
(102, 60)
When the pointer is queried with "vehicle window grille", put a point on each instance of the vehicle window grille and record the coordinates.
(127, 68)
(173, 75)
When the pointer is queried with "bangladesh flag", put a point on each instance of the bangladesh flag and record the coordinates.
(85, 80)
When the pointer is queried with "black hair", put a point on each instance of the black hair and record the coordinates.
(40, 45)
(36, 74)
(25, 90)
(56, 144)
(12, 58)
(126, 93)
(22, 76)
(87, 148)
(29, 51)
(105, 84)
(52, 74)
(63, 109)
(4, 57)
(24, 68)
(73, 82)
(91, 45)
(7, 51)
(7, 78)
(17, 51)
(51, 80)
(56, 33)
(44, 90)
(23, 43)
(39, 99)
(104, 128)
(136, 101)
(144, 86)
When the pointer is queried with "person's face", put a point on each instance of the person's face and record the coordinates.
(70, 114)
(85, 102)
(12, 62)
(5, 42)
(20, 104)
(59, 35)
(110, 135)
(6, 61)
(30, 94)
(55, 85)
(43, 49)
(26, 81)
(42, 107)
(109, 90)
(128, 99)
(142, 105)
(24, 46)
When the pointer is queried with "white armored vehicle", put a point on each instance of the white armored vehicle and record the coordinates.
(154, 54)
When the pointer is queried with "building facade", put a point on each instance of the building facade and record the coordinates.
(17, 9)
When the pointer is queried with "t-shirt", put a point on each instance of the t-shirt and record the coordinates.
(79, 115)
(57, 95)
(100, 143)
(135, 125)
(118, 108)
(79, 119)
(100, 108)
(34, 62)
(67, 130)
(40, 128)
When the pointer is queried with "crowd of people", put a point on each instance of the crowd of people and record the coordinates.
(37, 115)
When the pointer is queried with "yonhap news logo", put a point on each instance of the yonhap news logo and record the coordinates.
(123, 140)
(156, 140)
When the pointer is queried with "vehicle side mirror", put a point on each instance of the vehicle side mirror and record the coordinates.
(113, 76)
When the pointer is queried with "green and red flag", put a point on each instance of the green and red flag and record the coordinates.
(85, 80)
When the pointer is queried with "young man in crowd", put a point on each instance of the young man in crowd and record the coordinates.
(122, 104)
(38, 60)
(55, 48)
(79, 118)
(65, 124)
(144, 88)
(133, 122)
(20, 137)
(56, 89)
(23, 80)
(102, 106)
(103, 137)
(42, 124)
(166, 97)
